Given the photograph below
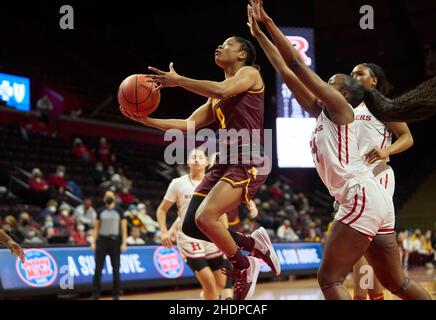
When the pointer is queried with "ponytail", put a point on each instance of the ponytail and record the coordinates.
(415, 105)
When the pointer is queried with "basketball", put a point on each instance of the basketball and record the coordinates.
(137, 97)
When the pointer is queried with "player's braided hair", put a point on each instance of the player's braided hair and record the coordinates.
(415, 105)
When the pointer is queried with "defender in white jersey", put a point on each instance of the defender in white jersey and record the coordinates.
(375, 136)
(365, 207)
(375, 145)
(204, 258)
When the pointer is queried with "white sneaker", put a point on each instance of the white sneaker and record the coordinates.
(263, 249)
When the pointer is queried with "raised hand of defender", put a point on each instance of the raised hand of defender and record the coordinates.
(258, 11)
(165, 78)
(252, 23)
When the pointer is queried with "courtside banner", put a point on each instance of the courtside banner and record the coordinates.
(53, 267)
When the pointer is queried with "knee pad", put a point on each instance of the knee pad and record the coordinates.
(403, 288)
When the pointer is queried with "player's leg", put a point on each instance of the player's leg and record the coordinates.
(205, 276)
(360, 292)
(383, 255)
(227, 292)
(374, 290)
(215, 264)
(377, 292)
(221, 198)
(343, 248)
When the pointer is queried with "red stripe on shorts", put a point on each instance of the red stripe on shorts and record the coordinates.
(361, 209)
(386, 182)
(352, 211)
(386, 230)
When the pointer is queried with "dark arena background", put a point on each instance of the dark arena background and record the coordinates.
(59, 118)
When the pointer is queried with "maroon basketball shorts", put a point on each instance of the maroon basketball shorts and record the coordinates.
(237, 175)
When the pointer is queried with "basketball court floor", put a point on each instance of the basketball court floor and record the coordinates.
(293, 289)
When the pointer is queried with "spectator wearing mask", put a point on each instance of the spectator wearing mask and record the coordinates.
(104, 150)
(26, 224)
(50, 210)
(312, 236)
(10, 227)
(34, 237)
(57, 180)
(135, 237)
(110, 232)
(85, 213)
(37, 181)
(126, 196)
(286, 233)
(79, 235)
(80, 150)
(66, 220)
(151, 226)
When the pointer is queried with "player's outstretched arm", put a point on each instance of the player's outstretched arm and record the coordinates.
(304, 97)
(335, 102)
(245, 79)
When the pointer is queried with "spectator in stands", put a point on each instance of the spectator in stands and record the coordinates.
(126, 196)
(124, 181)
(57, 181)
(99, 174)
(104, 150)
(135, 237)
(275, 191)
(26, 225)
(110, 172)
(408, 249)
(80, 150)
(34, 237)
(79, 235)
(151, 226)
(50, 209)
(35, 125)
(38, 186)
(67, 221)
(426, 252)
(131, 214)
(286, 233)
(312, 236)
(86, 214)
(10, 227)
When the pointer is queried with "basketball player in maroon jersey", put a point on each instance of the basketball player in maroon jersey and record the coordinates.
(336, 156)
(235, 103)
